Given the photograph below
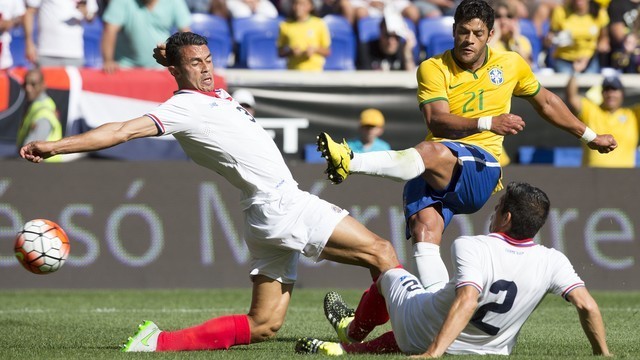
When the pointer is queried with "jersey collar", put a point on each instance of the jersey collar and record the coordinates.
(511, 241)
(486, 60)
(216, 93)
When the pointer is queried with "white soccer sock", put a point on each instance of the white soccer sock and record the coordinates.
(399, 165)
(431, 269)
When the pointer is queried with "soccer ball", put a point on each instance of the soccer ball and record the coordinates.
(42, 246)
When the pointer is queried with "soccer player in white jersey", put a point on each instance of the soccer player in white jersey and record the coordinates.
(281, 221)
(499, 279)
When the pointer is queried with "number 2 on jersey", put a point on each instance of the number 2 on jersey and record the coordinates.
(499, 308)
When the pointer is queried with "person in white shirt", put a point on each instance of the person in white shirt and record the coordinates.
(499, 280)
(59, 31)
(11, 14)
(281, 221)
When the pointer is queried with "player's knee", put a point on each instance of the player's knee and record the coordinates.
(385, 255)
(264, 329)
(433, 152)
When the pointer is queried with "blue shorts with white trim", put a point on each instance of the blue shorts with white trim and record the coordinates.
(468, 191)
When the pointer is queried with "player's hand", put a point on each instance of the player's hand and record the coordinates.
(426, 355)
(110, 66)
(35, 151)
(603, 143)
(160, 54)
(507, 124)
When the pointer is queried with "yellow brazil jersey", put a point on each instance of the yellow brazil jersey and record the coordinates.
(623, 124)
(485, 92)
(312, 32)
(584, 29)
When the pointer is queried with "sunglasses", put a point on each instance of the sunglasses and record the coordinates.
(504, 16)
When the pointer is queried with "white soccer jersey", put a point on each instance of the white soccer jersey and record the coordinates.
(217, 133)
(60, 27)
(512, 277)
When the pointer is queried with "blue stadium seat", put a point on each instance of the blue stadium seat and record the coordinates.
(560, 156)
(218, 34)
(368, 29)
(259, 50)
(436, 34)
(241, 27)
(18, 46)
(343, 44)
(528, 29)
(92, 38)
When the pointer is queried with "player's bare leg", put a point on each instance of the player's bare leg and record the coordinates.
(426, 229)
(269, 304)
(427, 225)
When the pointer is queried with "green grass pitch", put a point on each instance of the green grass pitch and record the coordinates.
(87, 324)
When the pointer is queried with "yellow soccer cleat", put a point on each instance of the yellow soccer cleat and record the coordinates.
(338, 157)
(314, 346)
(339, 315)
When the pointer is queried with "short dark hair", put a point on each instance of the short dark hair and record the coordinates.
(178, 40)
(529, 208)
(474, 9)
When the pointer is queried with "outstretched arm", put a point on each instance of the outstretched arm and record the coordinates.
(102, 137)
(590, 319)
(463, 307)
(574, 99)
(442, 123)
(552, 109)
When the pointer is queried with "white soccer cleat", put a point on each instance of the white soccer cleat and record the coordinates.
(145, 340)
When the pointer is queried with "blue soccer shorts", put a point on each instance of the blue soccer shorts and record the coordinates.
(468, 191)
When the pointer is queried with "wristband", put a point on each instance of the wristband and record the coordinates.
(484, 123)
(588, 135)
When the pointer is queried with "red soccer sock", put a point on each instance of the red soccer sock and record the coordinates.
(215, 334)
(384, 344)
(371, 312)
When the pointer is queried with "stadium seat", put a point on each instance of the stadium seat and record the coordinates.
(528, 29)
(561, 156)
(218, 34)
(436, 34)
(92, 38)
(18, 47)
(343, 44)
(240, 27)
(259, 51)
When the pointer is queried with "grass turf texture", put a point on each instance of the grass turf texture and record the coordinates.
(83, 324)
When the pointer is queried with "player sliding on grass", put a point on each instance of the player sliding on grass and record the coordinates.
(465, 97)
(499, 279)
(281, 221)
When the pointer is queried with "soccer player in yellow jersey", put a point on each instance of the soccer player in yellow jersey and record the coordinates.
(611, 116)
(465, 95)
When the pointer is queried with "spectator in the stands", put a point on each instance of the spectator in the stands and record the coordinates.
(370, 129)
(337, 7)
(11, 14)
(393, 50)
(60, 31)
(247, 8)
(41, 120)
(132, 29)
(200, 6)
(611, 117)
(623, 20)
(436, 8)
(627, 57)
(304, 39)
(377, 8)
(578, 32)
(245, 98)
(507, 34)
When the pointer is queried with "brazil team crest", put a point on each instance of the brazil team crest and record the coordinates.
(496, 76)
